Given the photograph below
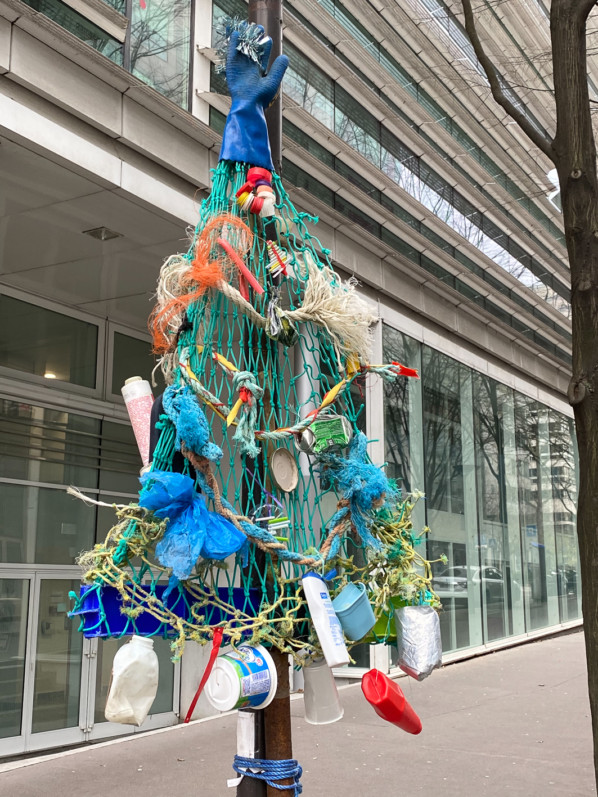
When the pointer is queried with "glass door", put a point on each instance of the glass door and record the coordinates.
(57, 666)
(164, 709)
(42, 668)
(53, 681)
(15, 604)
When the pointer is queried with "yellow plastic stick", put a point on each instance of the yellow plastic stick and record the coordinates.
(233, 413)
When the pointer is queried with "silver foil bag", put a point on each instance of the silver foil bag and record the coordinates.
(418, 640)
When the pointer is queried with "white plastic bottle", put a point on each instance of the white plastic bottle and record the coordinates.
(134, 682)
(326, 623)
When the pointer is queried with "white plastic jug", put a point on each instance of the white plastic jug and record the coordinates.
(134, 682)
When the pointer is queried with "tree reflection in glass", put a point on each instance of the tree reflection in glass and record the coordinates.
(160, 46)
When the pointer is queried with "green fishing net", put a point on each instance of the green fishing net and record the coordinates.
(265, 351)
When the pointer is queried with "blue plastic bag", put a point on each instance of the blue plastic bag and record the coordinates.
(193, 530)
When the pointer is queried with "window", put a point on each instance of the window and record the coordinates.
(47, 343)
(81, 27)
(158, 40)
(335, 108)
(442, 432)
(42, 452)
(160, 46)
(131, 357)
(118, 5)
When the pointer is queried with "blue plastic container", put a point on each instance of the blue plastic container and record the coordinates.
(354, 611)
(115, 624)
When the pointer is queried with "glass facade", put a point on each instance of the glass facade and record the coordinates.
(498, 472)
(414, 87)
(81, 27)
(43, 450)
(334, 107)
(157, 46)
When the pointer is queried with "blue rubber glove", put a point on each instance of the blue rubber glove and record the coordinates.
(245, 136)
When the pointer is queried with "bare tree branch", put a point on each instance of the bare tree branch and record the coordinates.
(583, 8)
(542, 142)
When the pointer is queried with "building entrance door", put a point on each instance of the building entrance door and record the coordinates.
(42, 667)
(52, 682)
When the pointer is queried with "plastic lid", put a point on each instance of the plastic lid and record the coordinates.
(223, 686)
(284, 469)
(133, 379)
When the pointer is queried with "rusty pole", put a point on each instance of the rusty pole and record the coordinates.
(273, 724)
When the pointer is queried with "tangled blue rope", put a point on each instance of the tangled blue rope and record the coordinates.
(190, 422)
(270, 771)
(361, 483)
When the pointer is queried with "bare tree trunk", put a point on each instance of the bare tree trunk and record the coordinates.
(575, 159)
(573, 152)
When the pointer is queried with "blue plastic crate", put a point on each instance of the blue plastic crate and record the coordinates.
(115, 623)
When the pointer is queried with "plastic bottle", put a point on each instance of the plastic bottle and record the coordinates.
(389, 702)
(134, 682)
(137, 393)
(326, 623)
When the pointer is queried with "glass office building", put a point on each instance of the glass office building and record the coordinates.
(110, 120)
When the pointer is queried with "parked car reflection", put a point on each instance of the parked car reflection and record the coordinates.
(453, 582)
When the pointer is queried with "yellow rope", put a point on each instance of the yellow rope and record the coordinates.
(275, 623)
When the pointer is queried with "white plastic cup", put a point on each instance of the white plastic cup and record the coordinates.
(242, 678)
(320, 695)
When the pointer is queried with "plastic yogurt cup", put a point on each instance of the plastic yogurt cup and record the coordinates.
(242, 678)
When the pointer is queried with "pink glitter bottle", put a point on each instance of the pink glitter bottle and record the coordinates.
(138, 397)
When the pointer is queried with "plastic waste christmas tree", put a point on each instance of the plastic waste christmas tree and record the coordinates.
(259, 469)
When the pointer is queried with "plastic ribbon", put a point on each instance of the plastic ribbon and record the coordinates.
(216, 642)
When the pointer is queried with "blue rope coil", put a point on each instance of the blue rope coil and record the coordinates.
(270, 771)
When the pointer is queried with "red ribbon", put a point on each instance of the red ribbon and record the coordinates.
(216, 642)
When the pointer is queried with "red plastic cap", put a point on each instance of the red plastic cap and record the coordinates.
(389, 702)
(257, 173)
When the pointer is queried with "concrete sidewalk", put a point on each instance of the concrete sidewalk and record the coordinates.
(515, 722)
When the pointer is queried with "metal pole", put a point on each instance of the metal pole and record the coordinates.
(272, 725)
(268, 13)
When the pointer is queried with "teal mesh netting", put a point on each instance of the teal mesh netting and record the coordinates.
(272, 368)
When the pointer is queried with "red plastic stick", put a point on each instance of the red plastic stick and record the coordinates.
(216, 642)
(389, 702)
(241, 266)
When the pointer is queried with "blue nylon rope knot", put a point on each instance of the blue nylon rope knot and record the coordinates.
(270, 771)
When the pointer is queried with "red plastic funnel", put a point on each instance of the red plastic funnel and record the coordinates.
(389, 701)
